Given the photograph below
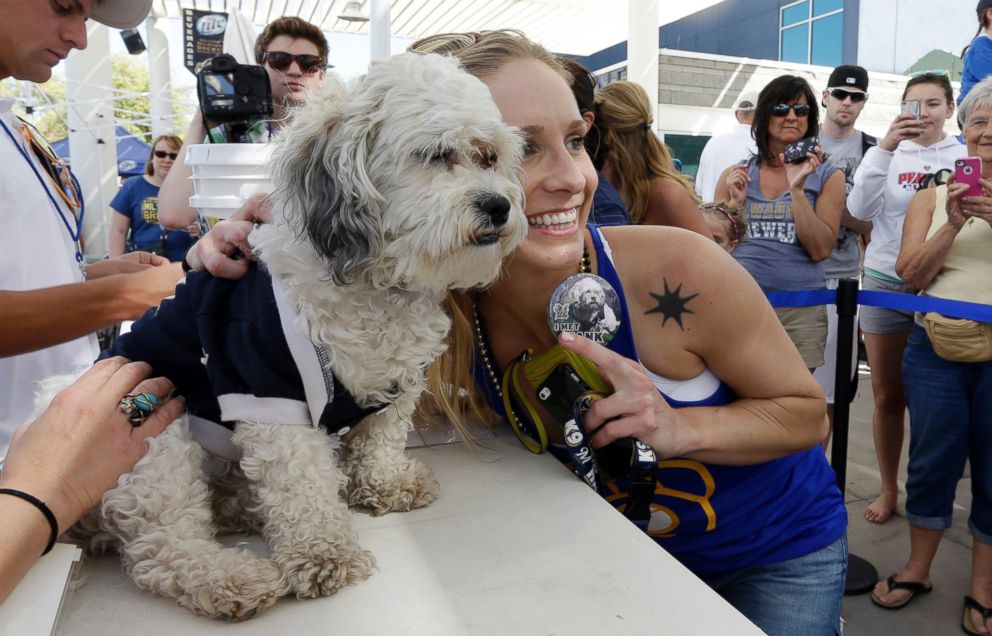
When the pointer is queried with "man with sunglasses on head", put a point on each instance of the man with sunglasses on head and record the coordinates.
(294, 54)
(51, 303)
(843, 101)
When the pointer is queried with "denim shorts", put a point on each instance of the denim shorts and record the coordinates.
(799, 596)
(950, 421)
(877, 320)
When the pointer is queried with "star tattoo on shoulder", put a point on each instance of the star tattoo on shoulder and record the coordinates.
(671, 304)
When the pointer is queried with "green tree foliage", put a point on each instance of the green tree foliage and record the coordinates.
(44, 104)
(34, 103)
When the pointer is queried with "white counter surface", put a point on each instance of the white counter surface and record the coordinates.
(514, 545)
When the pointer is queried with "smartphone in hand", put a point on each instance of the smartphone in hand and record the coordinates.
(969, 170)
(911, 107)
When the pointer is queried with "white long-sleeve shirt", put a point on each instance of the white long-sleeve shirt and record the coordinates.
(885, 183)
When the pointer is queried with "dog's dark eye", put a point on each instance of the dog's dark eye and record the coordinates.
(439, 157)
(488, 160)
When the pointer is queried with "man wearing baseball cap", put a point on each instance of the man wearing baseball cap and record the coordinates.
(843, 100)
(50, 302)
(726, 149)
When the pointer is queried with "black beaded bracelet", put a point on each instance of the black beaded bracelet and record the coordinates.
(40, 505)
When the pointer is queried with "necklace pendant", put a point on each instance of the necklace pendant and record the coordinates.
(585, 304)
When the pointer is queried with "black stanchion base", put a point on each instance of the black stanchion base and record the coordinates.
(861, 576)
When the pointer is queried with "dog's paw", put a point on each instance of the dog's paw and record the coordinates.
(412, 487)
(245, 586)
(321, 571)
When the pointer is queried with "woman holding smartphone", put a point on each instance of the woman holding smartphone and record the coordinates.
(905, 160)
(945, 254)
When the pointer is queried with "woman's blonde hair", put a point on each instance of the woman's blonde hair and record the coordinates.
(636, 154)
(731, 215)
(451, 377)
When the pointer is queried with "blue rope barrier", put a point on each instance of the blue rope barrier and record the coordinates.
(885, 300)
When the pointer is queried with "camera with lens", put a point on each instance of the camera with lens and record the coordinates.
(796, 152)
(233, 93)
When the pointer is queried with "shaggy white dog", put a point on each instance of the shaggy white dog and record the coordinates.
(389, 192)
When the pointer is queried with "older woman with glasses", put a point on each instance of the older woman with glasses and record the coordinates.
(744, 495)
(914, 153)
(793, 207)
(946, 253)
(135, 226)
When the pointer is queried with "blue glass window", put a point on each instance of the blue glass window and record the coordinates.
(826, 6)
(795, 41)
(796, 13)
(828, 36)
(812, 32)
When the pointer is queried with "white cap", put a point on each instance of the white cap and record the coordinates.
(121, 14)
(746, 101)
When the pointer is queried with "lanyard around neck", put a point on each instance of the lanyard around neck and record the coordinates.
(73, 232)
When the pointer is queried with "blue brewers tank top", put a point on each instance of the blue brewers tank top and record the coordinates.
(718, 519)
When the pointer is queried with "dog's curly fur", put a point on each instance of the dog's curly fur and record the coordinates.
(389, 192)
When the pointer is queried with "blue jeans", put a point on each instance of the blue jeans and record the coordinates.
(798, 596)
(950, 421)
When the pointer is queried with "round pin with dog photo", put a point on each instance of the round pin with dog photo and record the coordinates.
(587, 305)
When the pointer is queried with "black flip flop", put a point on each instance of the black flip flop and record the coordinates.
(913, 587)
(971, 604)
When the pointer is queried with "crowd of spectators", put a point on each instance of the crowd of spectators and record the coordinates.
(789, 221)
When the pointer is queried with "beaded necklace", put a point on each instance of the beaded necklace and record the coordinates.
(482, 334)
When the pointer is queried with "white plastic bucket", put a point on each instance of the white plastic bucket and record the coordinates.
(224, 175)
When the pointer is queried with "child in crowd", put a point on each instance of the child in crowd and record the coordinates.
(727, 223)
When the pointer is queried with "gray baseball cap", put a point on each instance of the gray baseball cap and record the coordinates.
(121, 14)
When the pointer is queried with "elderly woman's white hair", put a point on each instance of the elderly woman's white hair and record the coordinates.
(978, 98)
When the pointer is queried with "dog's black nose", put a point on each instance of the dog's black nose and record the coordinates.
(496, 207)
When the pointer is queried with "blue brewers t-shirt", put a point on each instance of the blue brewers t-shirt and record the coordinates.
(772, 252)
(138, 200)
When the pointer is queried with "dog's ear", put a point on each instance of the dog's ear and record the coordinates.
(323, 185)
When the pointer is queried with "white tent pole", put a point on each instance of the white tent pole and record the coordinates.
(642, 48)
(159, 83)
(91, 133)
(379, 30)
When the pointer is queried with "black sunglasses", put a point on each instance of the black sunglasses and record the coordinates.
(280, 61)
(161, 154)
(841, 94)
(781, 110)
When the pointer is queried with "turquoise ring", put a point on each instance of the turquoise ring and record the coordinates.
(138, 407)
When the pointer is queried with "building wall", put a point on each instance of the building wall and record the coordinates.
(696, 91)
(894, 34)
(742, 28)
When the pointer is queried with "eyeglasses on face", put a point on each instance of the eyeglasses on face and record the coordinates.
(162, 154)
(781, 110)
(445, 43)
(280, 61)
(840, 94)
